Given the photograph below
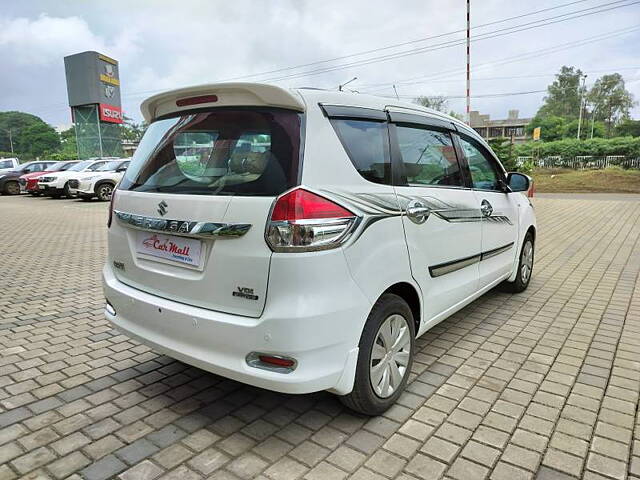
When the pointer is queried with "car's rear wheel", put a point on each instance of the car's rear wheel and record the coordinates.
(525, 267)
(104, 191)
(12, 188)
(385, 357)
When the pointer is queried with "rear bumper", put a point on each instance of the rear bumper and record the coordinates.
(324, 343)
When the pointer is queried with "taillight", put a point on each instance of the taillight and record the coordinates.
(302, 221)
(111, 202)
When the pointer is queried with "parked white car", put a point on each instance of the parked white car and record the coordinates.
(56, 184)
(99, 183)
(300, 240)
(7, 164)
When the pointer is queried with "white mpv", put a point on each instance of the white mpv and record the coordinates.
(300, 240)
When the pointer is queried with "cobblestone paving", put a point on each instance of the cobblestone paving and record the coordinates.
(544, 384)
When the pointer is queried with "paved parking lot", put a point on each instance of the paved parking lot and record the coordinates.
(544, 384)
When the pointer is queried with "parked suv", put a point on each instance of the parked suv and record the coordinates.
(99, 183)
(56, 185)
(9, 179)
(300, 240)
(29, 181)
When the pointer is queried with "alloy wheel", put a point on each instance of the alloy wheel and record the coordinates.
(390, 355)
(527, 261)
(13, 188)
(104, 192)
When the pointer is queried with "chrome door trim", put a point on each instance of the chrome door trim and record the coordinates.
(183, 228)
(455, 265)
(496, 251)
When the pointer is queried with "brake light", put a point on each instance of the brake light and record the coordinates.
(302, 221)
(185, 102)
(111, 202)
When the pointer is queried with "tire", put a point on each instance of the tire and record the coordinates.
(525, 267)
(65, 190)
(104, 191)
(11, 188)
(369, 396)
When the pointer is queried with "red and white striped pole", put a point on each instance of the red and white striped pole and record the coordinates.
(469, 62)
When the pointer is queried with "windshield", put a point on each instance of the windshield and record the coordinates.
(78, 167)
(55, 167)
(109, 166)
(220, 152)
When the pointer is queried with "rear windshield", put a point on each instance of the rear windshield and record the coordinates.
(6, 163)
(218, 152)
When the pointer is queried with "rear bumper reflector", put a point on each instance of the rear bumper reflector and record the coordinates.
(273, 363)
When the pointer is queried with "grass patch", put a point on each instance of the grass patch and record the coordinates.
(609, 180)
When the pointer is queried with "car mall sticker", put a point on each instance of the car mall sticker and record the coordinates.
(170, 247)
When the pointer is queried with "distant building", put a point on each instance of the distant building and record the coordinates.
(129, 147)
(512, 125)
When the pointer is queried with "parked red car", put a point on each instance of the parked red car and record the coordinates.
(29, 181)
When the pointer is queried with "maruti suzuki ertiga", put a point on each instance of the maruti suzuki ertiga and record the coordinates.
(300, 240)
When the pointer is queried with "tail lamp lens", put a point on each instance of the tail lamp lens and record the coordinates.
(303, 221)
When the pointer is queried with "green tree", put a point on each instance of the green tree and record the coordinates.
(571, 129)
(564, 94)
(552, 127)
(131, 130)
(30, 135)
(436, 103)
(37, 140)
(69, 144)
(505, 151)
(628, 128)
(611, 100)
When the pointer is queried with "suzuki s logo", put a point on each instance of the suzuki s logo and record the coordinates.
(163, 208)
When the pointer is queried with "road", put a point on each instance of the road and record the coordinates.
(544, 384)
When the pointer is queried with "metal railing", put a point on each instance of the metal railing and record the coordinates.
(590, 162)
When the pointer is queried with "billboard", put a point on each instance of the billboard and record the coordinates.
(93, 78)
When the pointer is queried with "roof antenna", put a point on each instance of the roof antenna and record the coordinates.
(396, 90)
(340, 87)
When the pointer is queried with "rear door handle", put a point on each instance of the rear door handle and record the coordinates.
(417, 212)
(486, 208)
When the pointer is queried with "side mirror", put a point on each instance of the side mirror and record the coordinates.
(518, 182)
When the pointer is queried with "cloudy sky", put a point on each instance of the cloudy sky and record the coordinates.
(164, 44)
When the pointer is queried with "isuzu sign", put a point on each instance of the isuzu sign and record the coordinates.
(109, 113)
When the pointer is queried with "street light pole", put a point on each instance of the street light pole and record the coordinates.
(584, 78)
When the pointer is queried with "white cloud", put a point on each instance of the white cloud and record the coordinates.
(164, 44)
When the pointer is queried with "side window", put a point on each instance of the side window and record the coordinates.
(429, 157)
(366, 143)
(481, 167)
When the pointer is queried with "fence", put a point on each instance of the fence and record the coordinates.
(583, 162)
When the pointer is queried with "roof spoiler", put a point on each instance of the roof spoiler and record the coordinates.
(220, 95)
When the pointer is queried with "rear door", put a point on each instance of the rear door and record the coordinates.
(442, 223)
(190, 212)
(499, 211)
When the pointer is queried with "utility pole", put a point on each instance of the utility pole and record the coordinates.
(469, 62)
(11, 140)
(584, 78)
(593, 119)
